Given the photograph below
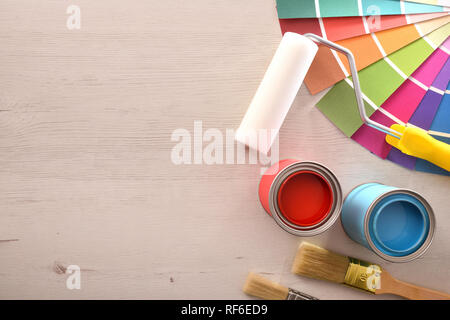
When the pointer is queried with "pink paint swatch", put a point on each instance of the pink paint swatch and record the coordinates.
(402, 104)
(424, 115)
(430, 68)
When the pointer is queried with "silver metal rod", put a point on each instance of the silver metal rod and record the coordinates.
(356, 86)
(297, 295)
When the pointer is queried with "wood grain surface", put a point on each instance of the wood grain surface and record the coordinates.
(86, 177)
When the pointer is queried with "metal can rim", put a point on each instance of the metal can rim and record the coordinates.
(431, 232)
(335, 210)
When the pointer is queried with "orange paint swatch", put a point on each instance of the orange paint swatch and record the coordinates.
(323, 64)
(328, 68)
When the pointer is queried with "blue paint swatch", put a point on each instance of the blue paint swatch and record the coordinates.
(441, 123)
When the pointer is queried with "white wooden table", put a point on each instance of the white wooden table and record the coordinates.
(86, 178)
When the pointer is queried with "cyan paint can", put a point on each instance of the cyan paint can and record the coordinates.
(397, 224)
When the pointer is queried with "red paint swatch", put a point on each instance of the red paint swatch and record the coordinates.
(347, 27)
(305, 198)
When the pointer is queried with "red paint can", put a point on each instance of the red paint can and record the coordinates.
(304, 198)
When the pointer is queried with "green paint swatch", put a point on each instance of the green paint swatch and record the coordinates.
(378, 81)
(408, 57)
(339, 105)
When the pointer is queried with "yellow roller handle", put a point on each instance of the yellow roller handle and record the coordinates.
(418, 143)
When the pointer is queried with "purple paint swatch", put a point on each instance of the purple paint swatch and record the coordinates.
(424, 115)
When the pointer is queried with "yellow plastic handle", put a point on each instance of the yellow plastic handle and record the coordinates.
(418, 143)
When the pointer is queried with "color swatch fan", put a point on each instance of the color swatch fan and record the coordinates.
(401, 52)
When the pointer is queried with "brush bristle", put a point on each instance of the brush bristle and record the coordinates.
(316, 262)
(263, 288)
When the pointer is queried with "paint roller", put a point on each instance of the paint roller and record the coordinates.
(280, 85)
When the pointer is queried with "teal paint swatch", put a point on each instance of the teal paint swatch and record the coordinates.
(296, 9)
(328, 8)
(288, 9)
(376, 7)
(412, 7)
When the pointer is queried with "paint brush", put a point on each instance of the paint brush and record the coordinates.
(315, 262)
(263, 288)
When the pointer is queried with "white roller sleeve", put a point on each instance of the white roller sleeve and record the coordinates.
(276, 92)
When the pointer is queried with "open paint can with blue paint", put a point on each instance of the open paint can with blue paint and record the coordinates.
(397, 224)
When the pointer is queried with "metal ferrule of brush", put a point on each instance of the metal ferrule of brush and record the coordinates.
(363, 275)
(356, 86)
(297, 295)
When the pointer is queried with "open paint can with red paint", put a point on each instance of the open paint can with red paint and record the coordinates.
(304, 198)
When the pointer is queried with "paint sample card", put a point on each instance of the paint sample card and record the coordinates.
(445, 3)
(330, 67)
(288, 9)
(339, 28)
(424, 114)
(441, 124)
(378, 82)
(401, 104)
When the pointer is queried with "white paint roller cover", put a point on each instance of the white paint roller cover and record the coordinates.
(276, 92)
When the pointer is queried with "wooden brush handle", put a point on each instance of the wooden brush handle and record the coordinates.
(408, 290)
